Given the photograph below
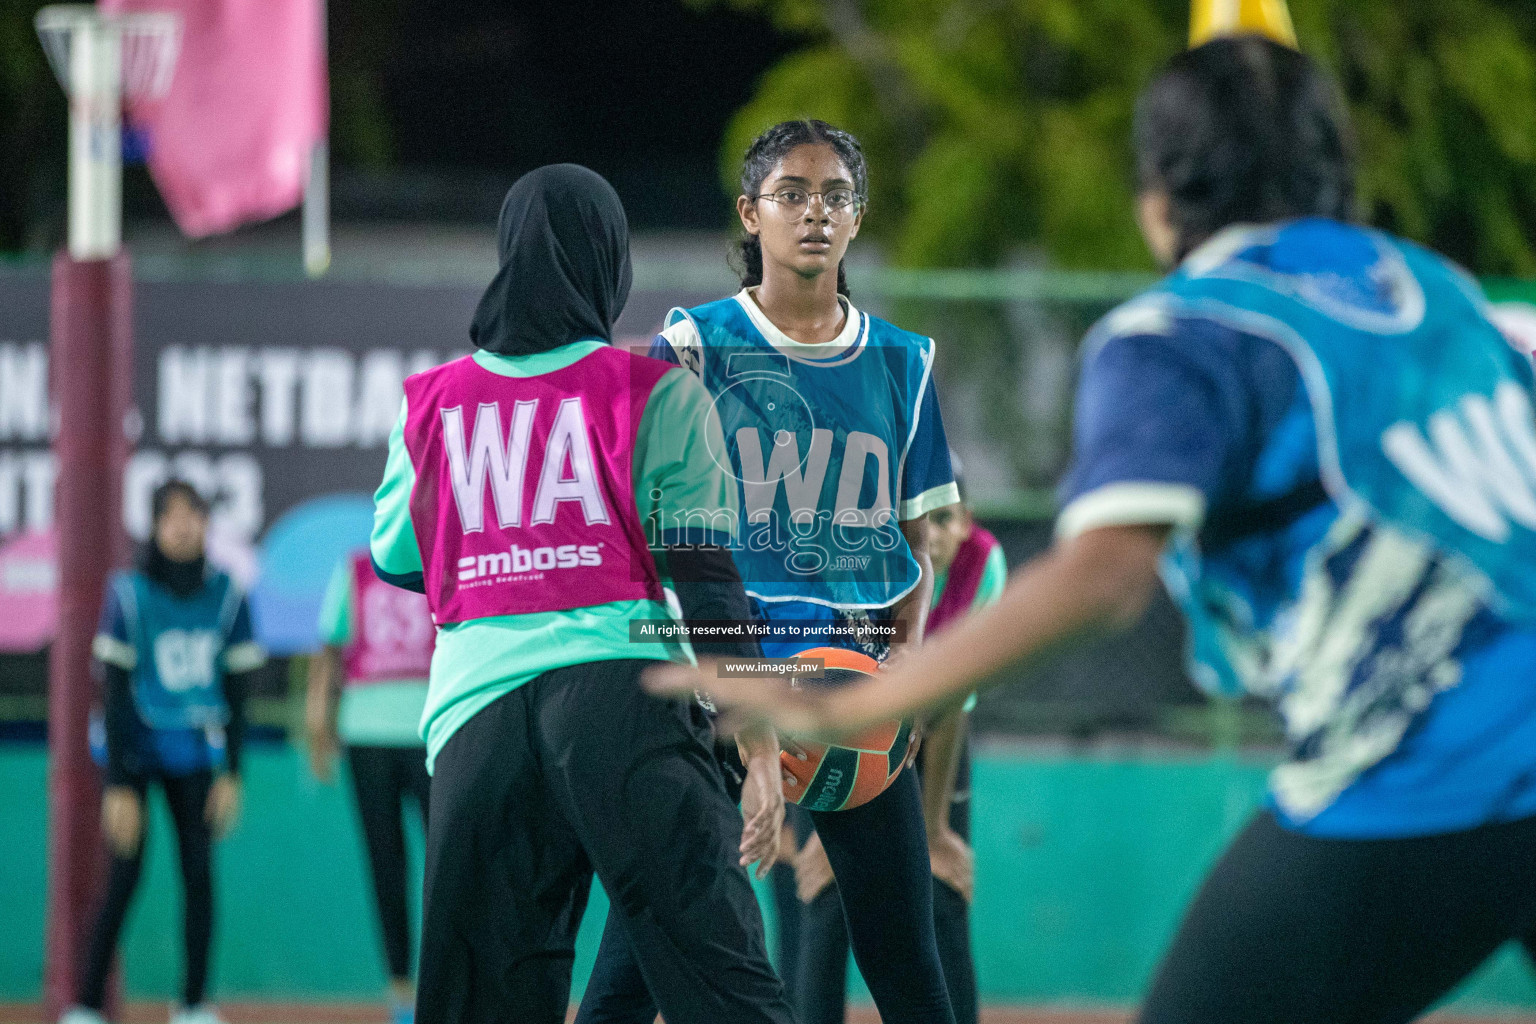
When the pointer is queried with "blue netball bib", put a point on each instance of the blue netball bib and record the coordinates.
(178, 675)
(1422, 409)
(1366, 457)
(818, 447)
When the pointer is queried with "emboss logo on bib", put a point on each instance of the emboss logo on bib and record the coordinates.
(517, 561)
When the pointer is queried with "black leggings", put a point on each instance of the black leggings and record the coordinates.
(821, 984)
(878, 851)
(786, 906)
(616, 992)
(1292, 929)
(187, 796)
(382, 778)
(575, 771)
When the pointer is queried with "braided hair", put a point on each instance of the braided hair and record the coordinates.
(765, 153)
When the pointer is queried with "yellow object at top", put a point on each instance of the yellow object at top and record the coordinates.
(1210, 19)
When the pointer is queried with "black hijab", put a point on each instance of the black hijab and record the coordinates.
(564, 246)
(181, 578)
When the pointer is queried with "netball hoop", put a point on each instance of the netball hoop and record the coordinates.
(103, 61)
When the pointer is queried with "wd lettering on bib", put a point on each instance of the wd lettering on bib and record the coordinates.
(803, 477)
(1479, 466)
(524, 500)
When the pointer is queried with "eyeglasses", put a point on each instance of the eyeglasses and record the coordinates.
(840, 203)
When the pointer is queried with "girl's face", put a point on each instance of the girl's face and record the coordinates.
(181, 531)
(948, 528)
(806, 211)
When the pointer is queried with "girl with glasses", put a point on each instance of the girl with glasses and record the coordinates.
(833, 439)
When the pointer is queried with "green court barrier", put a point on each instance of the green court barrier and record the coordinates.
(1084, 862)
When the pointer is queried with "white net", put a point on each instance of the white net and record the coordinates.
(148, 44)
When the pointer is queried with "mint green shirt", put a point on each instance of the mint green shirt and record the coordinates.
(478, 661)
(994, 577)
(379, 714)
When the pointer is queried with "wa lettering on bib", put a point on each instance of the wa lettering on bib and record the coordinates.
(524, 496)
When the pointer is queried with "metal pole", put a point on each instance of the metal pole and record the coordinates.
(317, 188)
(90, 388)
(317, 212)
(90, 357)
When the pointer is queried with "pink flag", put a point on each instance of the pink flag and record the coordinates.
(230, 142)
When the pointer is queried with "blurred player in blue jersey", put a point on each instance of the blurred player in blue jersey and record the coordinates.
(177, 654)
(1316, 434)
(831, 429)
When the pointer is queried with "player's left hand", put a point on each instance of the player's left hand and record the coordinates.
(322, 755)
(762, 807)
(223, 807)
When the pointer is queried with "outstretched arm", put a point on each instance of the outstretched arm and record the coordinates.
(1093, 584)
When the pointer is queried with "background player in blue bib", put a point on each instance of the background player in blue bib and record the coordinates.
(832, 433)
(176, 653)
(1317, 435)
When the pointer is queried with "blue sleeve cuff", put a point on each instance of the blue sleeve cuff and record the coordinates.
(662, 349)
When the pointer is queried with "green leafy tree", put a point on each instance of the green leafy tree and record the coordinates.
(996, 124)
(32, 111)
